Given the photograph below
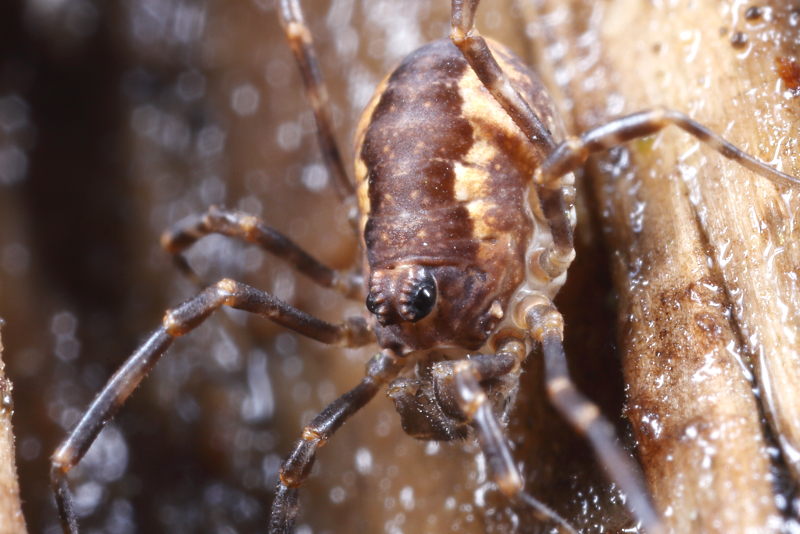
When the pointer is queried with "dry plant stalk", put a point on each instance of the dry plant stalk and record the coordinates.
(705, 253)
(11, 519)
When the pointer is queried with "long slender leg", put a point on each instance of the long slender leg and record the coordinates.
(299, 37)
(541, 318)
(573, 152)
(297, 466)
(177, 322)
(463, 386)
(252, 229)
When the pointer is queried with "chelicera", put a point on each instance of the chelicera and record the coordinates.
(465, 214)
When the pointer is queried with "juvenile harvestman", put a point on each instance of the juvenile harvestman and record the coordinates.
(442, 166)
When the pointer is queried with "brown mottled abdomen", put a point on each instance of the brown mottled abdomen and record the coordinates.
(442, 170)
(440, 166)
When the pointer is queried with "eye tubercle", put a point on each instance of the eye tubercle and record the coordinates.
(406, 294)
(422, 300)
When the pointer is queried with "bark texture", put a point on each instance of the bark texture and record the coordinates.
(11, 519)
(705, 254)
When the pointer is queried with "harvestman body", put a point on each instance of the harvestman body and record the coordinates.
(466, 220)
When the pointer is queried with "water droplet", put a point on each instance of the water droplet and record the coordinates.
(15, 259)
(407, 498)
(63, 323)
(289, 134)
(13, 165)
(191, 85)
(337, 495)
(245, 100)
(315, 177)
(363, 461)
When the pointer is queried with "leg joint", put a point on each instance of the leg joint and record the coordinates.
(312, 434)
(538, 314)
(227, 287)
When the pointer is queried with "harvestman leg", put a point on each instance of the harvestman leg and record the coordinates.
(178, 321)
(459, 383)
(573, 152)
(295, 469)
(252, 229)
(299, 36)
(545, 325)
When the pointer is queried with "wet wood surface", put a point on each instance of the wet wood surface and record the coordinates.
(704, 253)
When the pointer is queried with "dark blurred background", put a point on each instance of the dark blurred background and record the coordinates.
(118, 119)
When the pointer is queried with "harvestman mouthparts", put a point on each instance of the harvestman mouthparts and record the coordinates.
(466, 223)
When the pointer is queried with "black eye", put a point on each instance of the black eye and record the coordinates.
(422, 299)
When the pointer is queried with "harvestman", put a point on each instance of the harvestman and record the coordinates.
(466, 221)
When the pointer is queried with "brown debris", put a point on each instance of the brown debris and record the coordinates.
(789, 70)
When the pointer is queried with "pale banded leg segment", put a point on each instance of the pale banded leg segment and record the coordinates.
(252, 229)
(297, 466)
(177, 322)
(461, 381)
(573, 152)
(546, 325)
(299, 37)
